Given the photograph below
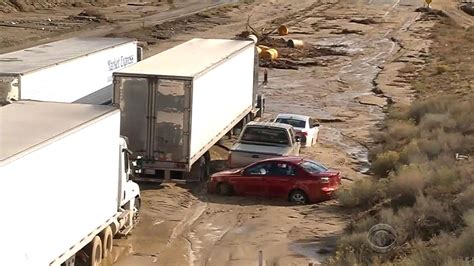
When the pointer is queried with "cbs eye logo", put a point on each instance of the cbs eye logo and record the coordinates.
(382, 238)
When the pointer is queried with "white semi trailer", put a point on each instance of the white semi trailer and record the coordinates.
(177, 104)
(72, 70)
(65, 183)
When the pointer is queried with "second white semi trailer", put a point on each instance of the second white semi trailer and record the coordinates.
(75, 70)
(177, 104)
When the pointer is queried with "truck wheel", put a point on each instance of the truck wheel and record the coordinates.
(224, 189)
(107, 241)
(298, 197)
(93, 252)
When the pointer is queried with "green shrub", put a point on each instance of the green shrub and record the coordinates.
(406, 184)
(385, 163)
(411, 153)
(362, 192)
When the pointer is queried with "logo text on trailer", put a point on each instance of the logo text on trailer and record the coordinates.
(120, 62)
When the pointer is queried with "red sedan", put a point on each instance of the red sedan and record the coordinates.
(295, 178)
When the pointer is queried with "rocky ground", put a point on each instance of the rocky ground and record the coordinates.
(359, 57)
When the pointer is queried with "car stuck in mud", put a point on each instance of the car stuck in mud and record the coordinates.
(296, 179)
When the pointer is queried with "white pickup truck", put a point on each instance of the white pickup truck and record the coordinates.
(263, 140)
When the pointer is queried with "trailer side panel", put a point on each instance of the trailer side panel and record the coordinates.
(221, 97)
(79, 79)
(56, 194)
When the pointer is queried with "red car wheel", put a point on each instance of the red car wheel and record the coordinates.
(298, 197)
(224, 189)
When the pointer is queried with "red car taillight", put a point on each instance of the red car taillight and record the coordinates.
(302, 133)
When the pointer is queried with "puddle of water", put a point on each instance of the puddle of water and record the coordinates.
(316, 252)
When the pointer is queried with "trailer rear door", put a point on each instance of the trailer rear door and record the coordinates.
(170, 128)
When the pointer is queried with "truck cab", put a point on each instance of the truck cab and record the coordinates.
(129, 191)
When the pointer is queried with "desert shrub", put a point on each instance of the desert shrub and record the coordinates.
(401, 130)
(411, 153)
(354, 249)
(434, 252)
(465, 199)
(434, 105)
(385, 163)
(440, 69)
(403, 221)
(469, 219)
(462, 113)
(430, 122)
(342, 257)
(452, 143)
(423, 256)
(457, 262)
(363, 192)
(443, 180)
(376, 150)
(463, 246)
(406, 183)
(433, 216)
(363, 225)
(431, 147)
(399, 112)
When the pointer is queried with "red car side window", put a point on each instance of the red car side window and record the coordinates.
(282, 169)
(258, 169)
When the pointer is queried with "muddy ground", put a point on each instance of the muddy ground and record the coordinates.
(359, 56)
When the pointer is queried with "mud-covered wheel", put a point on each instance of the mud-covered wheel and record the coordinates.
(107, 241)
(224, 189)
(298, 197)
(92, 253)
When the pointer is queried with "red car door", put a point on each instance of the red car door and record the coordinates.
(281, 179)
(253, 182)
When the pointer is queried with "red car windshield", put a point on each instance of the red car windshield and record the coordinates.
(313, 167)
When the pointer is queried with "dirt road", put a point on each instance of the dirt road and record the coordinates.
(201, 229)
(366, 43)
(43, 25)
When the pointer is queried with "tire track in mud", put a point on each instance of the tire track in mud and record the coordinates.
(181, 232)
